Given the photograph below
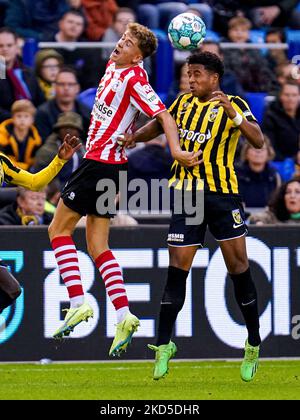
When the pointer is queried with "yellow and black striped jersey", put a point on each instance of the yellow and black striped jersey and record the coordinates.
(202, 125)
(12, 174)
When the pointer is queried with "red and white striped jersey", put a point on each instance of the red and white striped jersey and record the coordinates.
(121, 96)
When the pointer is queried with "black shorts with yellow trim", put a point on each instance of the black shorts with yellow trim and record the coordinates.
(223, 214)
(81, 193)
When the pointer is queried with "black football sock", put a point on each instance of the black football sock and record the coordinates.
(246, 296)
(171, 304)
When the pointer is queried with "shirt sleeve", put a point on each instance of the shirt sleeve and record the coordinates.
(35, 182)
(143, 97)
(243, 108)
(174, 107)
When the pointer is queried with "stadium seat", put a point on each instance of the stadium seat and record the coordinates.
(169, 10)
(212, 36)
(148, 15)
(293, 40)
(286, 168)
(87, 97)
(256, 101)
(7, 196)
(257, 35)
(292, 35)
(206, 13)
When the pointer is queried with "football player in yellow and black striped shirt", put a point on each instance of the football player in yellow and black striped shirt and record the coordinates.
(10, 173)
(208, 122)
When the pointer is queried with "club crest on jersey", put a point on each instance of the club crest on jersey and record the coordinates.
(237, 217)
(116, 85)
(213, 115)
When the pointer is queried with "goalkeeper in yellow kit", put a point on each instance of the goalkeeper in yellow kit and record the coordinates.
(10, 173)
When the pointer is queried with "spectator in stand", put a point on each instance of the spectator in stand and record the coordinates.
(287, 72)
(151, 162)
(250, 67)
(99, 16)
(257, 178)
(179, 86)
(35, 18)
(284, 206)
(132, 4)
(53, 196)
(86, 62)
(47, 66)
(123, 16)
(276, 13)
(276, 57)
(29, 209)
(71, 27)
(20, 81)
(229, 83)
(67, 123)
(297, 164)
(19, 138)
(66, 91)
(281, 122)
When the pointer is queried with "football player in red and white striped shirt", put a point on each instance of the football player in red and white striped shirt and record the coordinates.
(123, 93)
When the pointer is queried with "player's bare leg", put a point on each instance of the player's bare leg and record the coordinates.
(235, 257)
(60, 234)
(97, 231)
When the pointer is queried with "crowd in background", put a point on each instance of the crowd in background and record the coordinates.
(39, 105)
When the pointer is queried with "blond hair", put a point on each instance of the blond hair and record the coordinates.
(239, 21)
(23, 105)
(147, 41)
(247, 146)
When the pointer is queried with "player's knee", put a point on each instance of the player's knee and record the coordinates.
(95, 250)
(180, 261)
(51, 231)
(15, 293)
(238, 266)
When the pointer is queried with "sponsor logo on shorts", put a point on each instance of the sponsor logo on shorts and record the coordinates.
(175, 237)
(237, 218)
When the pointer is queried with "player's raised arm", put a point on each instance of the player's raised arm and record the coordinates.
(251, 130)
(36, 182)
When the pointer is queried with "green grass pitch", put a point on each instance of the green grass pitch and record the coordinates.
(132, 381)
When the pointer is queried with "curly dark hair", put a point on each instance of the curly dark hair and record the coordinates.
(210, 61)
(277, 203)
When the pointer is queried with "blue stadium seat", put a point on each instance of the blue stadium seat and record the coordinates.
(87, 97)
(169, 10)
(292, 35)
(148, 15)
(286, 168)
(257, 35)
(256, 101)
(212, 36)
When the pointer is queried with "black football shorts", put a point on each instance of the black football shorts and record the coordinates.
(223, 215)
(80, 192)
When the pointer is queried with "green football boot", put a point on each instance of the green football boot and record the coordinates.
(163, 354)
(73, 317)
(124, 332)
(250, 362)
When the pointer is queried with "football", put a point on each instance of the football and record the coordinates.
(186, 31)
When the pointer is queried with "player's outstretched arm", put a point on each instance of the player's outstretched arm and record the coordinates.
(163, 123)
(38, 181)
(184, 158)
